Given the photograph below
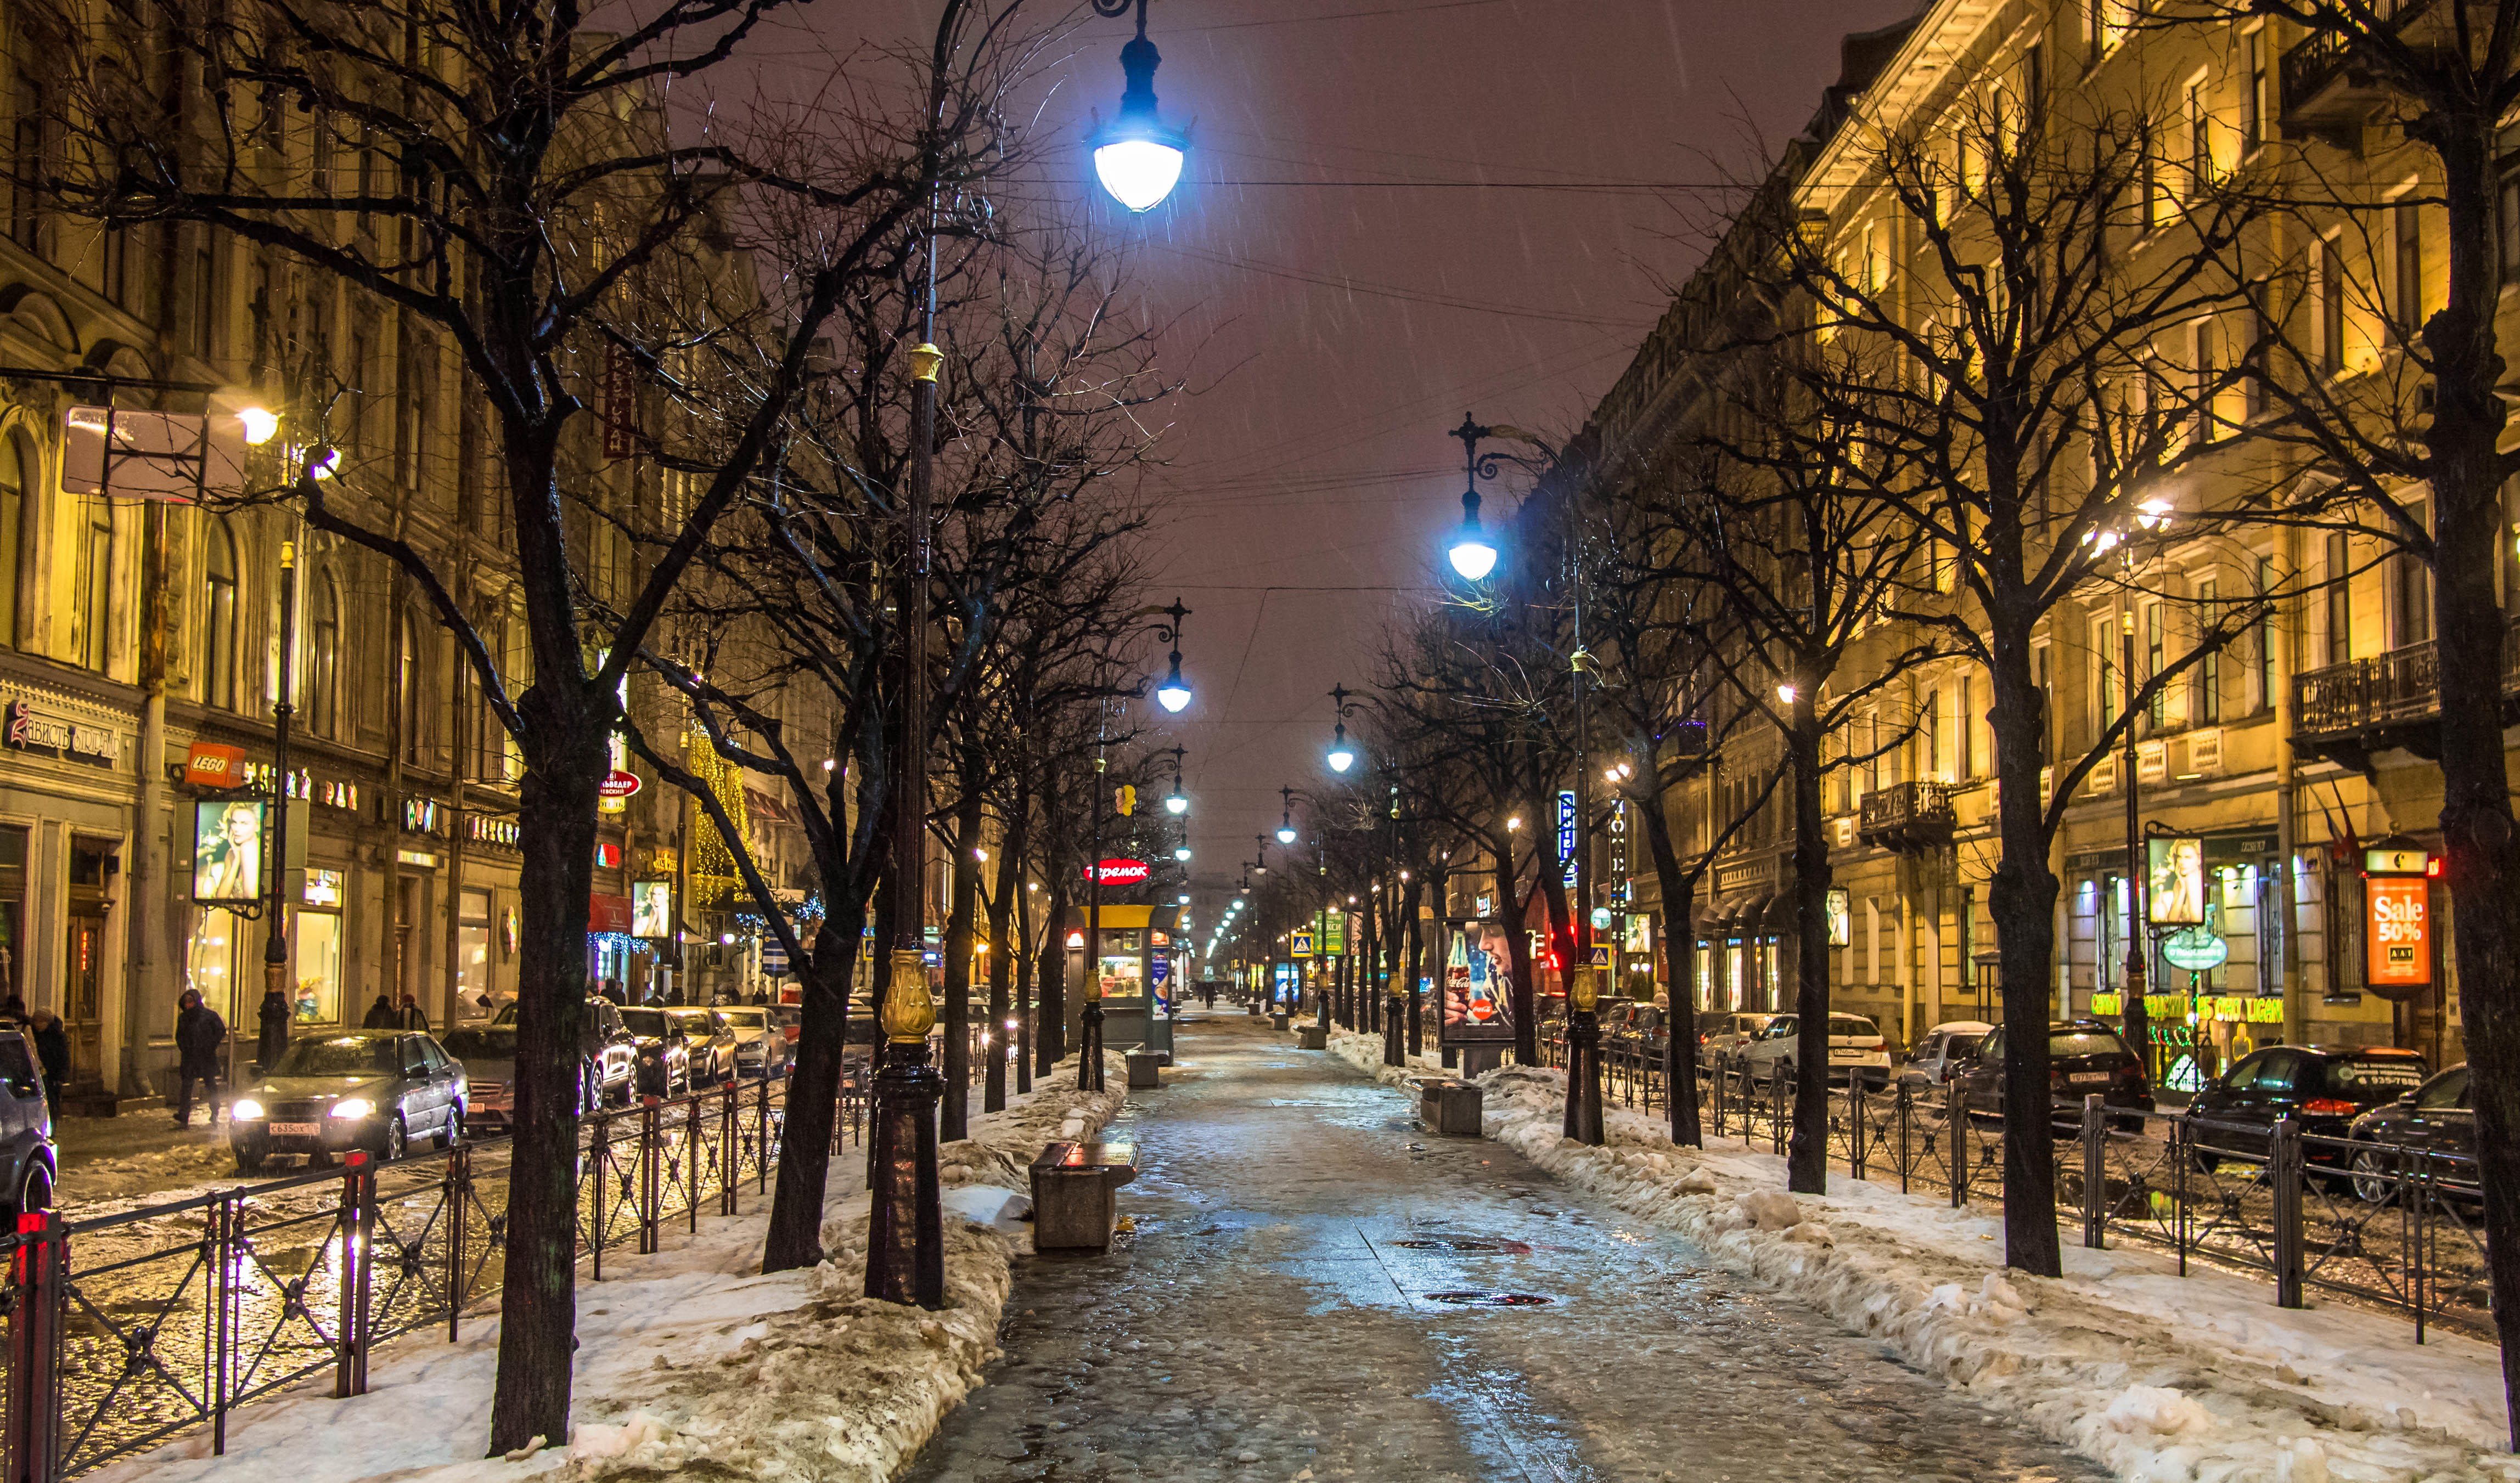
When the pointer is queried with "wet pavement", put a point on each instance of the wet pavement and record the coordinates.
(1275, 1317)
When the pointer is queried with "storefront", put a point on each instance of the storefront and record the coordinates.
(66, 789)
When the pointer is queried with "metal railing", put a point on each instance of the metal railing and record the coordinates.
(2392, 1226)
(126, 1331)
(2398, 686)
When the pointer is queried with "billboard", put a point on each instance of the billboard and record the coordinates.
(2399, 931)
(2175, 880)
(652, 909)
(228, 841)
(1478, 985)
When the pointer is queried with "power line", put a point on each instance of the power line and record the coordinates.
(1373, 290)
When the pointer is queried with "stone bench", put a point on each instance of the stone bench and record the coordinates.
(1074, 1195)
(1313, 1037)
(1450, 1107)
(1142, 1068)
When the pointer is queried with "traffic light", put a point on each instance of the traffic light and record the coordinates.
(1124, 799)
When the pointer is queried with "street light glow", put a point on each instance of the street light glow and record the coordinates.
(1341, 759)
(260, 424)
(1286, 833)
(1181, 852)
(1787, 694)
(1137, 173)
(1174, 693)
(1472, 555)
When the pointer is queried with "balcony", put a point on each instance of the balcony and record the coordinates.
(2349, 712)
(1907, 818)
(2326, 90)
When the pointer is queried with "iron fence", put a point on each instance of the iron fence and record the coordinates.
(2393, 1226)
(129, 1329)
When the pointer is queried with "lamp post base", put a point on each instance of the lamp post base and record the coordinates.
(906, 1239)
(1089, 1055)
(1583, 1078)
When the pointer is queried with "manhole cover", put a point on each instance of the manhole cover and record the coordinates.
(1491, 1299)
(1467, 1243)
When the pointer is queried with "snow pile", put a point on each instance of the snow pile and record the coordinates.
(690, 1362)
(2156, 1377)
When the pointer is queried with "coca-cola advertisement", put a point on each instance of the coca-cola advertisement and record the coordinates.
(1478, 985)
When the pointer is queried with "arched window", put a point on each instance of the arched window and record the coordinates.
(220, 615)
(324, 658)
(413, 674)
(17, 482)
(95, 612)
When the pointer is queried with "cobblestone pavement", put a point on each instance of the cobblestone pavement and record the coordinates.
(1272, 1318)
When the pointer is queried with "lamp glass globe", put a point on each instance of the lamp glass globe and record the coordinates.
(1472, 557)
(1286, 834)
(1341, 759)
(1173, 697)
(1137, 173)
(1177, 804)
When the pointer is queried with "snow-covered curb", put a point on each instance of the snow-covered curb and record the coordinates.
(2160, 1378)
(690, 1362)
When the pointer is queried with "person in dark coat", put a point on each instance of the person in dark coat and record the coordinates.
(275, 1016)
(53, 1054)
(381, 1014)
(198, 1034)
(411, 1016)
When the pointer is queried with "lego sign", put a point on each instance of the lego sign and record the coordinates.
(209, 764)
(2398, 931)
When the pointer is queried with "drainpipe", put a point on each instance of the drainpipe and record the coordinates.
(2286, 631)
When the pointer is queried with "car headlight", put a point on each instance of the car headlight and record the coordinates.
(354, 1106)
(244, 1108)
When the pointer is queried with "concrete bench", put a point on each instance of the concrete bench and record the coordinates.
(1312, 1038)
(1074, 1200)
(1142, 1066)
(1277, 1021)
(1450, 1107)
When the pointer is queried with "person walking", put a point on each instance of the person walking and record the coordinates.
(381, 1014)
(198, 1034)
(411, 1016)
(274, 1019)
(53, 1054)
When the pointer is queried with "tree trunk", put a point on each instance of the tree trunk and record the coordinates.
(1049, 1021)
(556, 818)
(1679, 889)
(1516, 911)
(1807, 1156)
(2477, 826)
(795, 1235)
(954, 1116)
(1003, 954)
(1026, 1027)
(2023, 903)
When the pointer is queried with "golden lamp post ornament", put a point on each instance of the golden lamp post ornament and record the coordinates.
(909, 1008)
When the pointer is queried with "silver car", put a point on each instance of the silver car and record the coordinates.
(29, 1161)
(761, 1046)
(1943, 1050)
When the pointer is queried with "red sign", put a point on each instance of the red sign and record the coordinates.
(2399, 933)
(211, 765)
(1121, 872)
(608, 914)
(618, 784)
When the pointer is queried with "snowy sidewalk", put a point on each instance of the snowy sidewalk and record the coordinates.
(689, 1361)
(2158, 1376)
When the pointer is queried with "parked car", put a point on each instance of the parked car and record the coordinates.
(791, 1020)
(2323, 1088)
(664, 1066)
(2437, 1117)
(1945, 1047)
(762, 1049)
(28, 1160)
(1856, 1049)
(375, 1090)
(1635, 1031)
(708, 1045)
(1721, 1033)
(611, 1051)
(2084, 1056)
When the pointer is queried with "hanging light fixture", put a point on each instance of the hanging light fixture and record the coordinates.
(1286, 817)
(1138, 160)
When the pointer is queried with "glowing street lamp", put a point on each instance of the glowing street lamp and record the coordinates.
(1137, 157)
(1286, 817)
(1341, 755)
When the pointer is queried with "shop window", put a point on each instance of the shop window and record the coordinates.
(315, 959)
(218, 617)
(2410, 589)
(324, 658)
(472, 957)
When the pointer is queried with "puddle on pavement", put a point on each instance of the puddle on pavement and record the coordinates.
(1478, 1299)
(1466, 1243)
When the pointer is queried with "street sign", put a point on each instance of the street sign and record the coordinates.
(1299, 943)
(774, 958)
(1600, 955)
(618, 784)
(2195, 949)
(1121, 872)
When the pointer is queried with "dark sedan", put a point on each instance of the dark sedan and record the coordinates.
(2323, 1088)
(2084, 1056)
(375, 1090)
(2435, 1117)
(665, 1056)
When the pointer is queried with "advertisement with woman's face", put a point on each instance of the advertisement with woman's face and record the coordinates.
(1478, 985)
(227, 850)
(2176, 890)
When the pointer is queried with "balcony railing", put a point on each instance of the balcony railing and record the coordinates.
(2319, 62)
(2395, 690)
(1906, 816)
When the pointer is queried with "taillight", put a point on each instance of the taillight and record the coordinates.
(2328, 1106)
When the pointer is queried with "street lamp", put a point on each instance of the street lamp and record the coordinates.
(1286, 817)
(1341, 755)
(1174, 693)
(1137, 157)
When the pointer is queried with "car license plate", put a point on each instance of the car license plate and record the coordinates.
(1846, 1054)
(296, 1130)
(2090, 1078)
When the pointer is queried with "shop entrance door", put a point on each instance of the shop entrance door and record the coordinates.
(83, 997)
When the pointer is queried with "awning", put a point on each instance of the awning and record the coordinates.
(1749, 912)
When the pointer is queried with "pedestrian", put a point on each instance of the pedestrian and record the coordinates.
(198, 1034)
(275, 1018)
(761, 996)
(613, 991)
(411, 1016)
(381, 1014)
(53, 1053)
